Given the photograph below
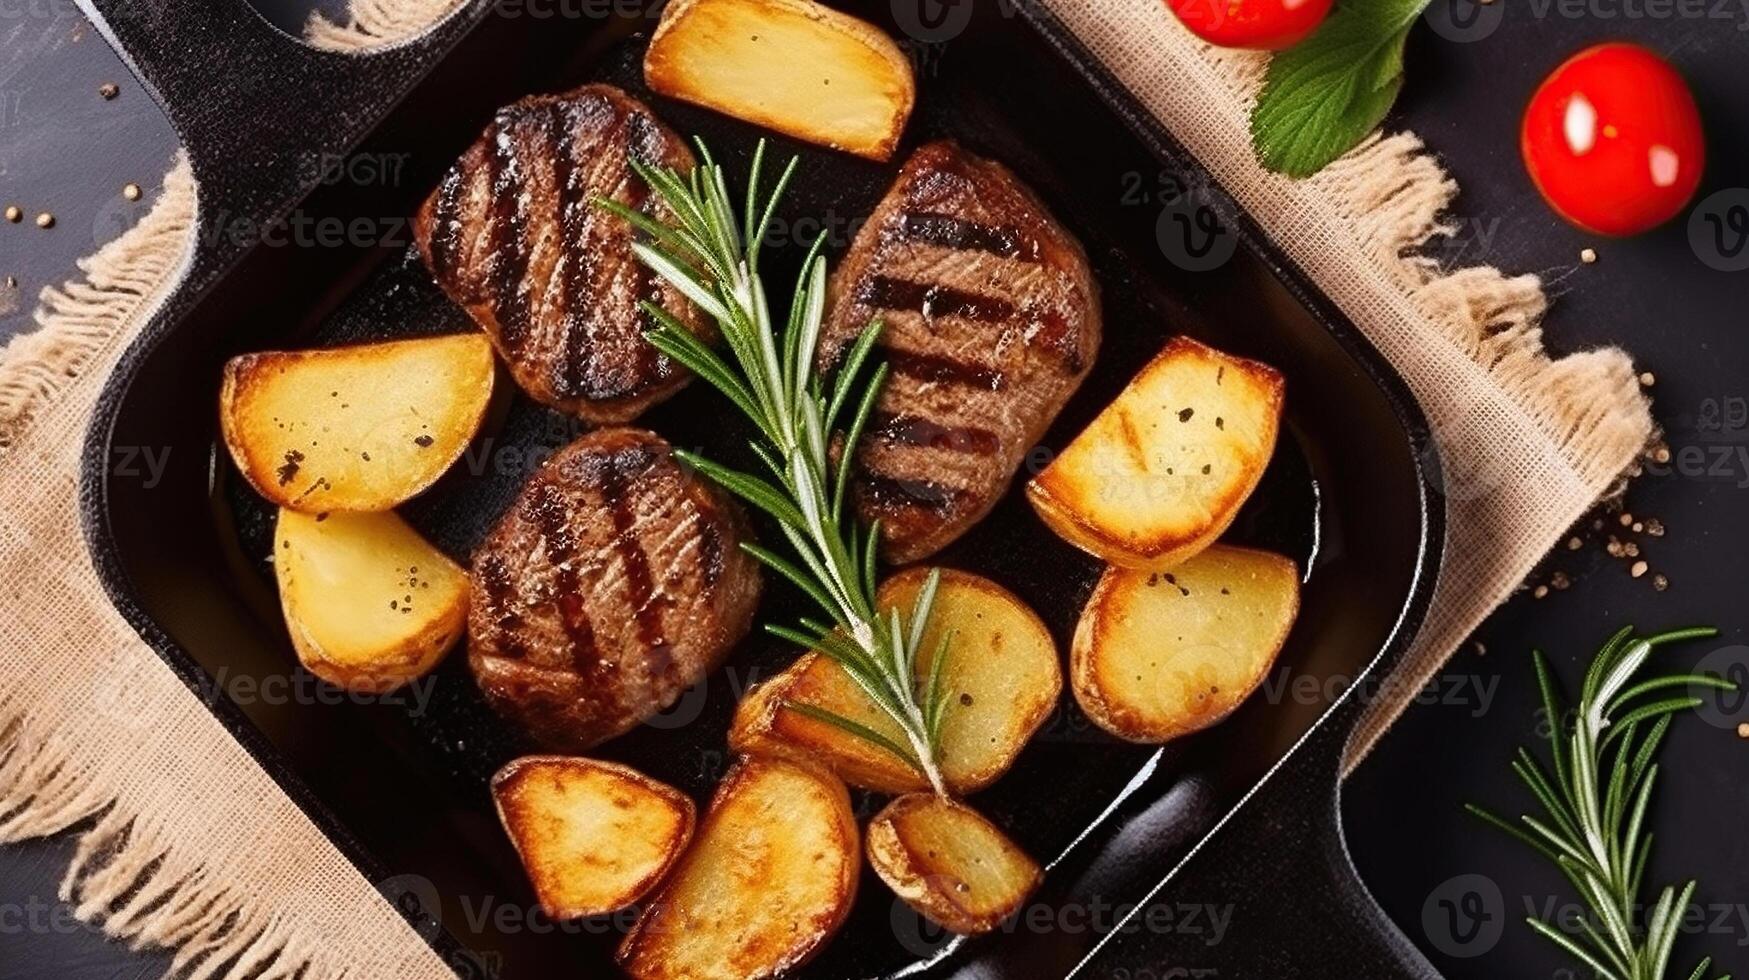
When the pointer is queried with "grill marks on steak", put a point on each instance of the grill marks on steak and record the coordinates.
(611, 586)
(511, 234)
(991, 320)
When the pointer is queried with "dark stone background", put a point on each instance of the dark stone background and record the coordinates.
(64, 149)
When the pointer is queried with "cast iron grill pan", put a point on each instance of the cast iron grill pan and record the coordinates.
(404, 786)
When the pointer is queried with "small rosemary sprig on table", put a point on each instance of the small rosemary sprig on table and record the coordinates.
(772, 379)
(1595, 804)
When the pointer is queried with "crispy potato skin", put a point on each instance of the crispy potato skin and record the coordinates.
(395, 417)
(795, 66)
(771, 876)
(1245, 605)
(762, 727)
(341, 581)
(1017, 671)
(949, 863)
(547, 803)
(1103, 493)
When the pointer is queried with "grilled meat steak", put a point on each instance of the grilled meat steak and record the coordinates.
(991, 321)
(612, 585)
(511, 235)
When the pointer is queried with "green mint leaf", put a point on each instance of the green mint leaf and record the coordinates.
(1325, 95)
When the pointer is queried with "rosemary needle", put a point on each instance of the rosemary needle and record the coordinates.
(710, 253)
(1595, 800)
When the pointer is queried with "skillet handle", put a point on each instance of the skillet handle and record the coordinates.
(1271, 893)
(254, 106)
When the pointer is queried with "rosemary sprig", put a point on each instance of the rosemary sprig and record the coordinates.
(1595, 804)
(770, 376)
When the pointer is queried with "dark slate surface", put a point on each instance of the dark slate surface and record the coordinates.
(1457, 889)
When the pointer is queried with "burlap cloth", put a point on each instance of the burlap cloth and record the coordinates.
(185, 843)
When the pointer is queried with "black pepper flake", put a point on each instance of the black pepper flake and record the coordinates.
(1185, 414)
(289, 470)
(965, 699)
(1220, 423)
(423, 441)
(1205, 469)
(321, 517)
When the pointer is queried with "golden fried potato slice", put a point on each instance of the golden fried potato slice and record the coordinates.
(594, 836)
(795, 66)
(770, 878)
(949, 863)
(1002, 678)
(354, 428)
(370, 604)
(1157, 655)
(1162, 472)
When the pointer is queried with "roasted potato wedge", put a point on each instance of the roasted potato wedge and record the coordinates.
(1002, 677)
(769, 880)
(354, 428)
(594, 836)
(1162, 472)
(1157, 655)
(795, 66)
(949, 863)
(369, 603)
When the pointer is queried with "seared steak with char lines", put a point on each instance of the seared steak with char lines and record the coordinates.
(991, 321)
(611, 586)
(511, 235)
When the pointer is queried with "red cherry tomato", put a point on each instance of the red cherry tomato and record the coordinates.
(1267, 24)
(1612, 139)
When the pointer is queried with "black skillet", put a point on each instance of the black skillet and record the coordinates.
(401, 788)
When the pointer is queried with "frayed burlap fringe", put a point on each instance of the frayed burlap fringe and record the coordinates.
(1589, 404)
(126, 875)
(78, 319)
(129, 878)
(373, 24)
(182, 842)
(1529, 442)
(1396, 199)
